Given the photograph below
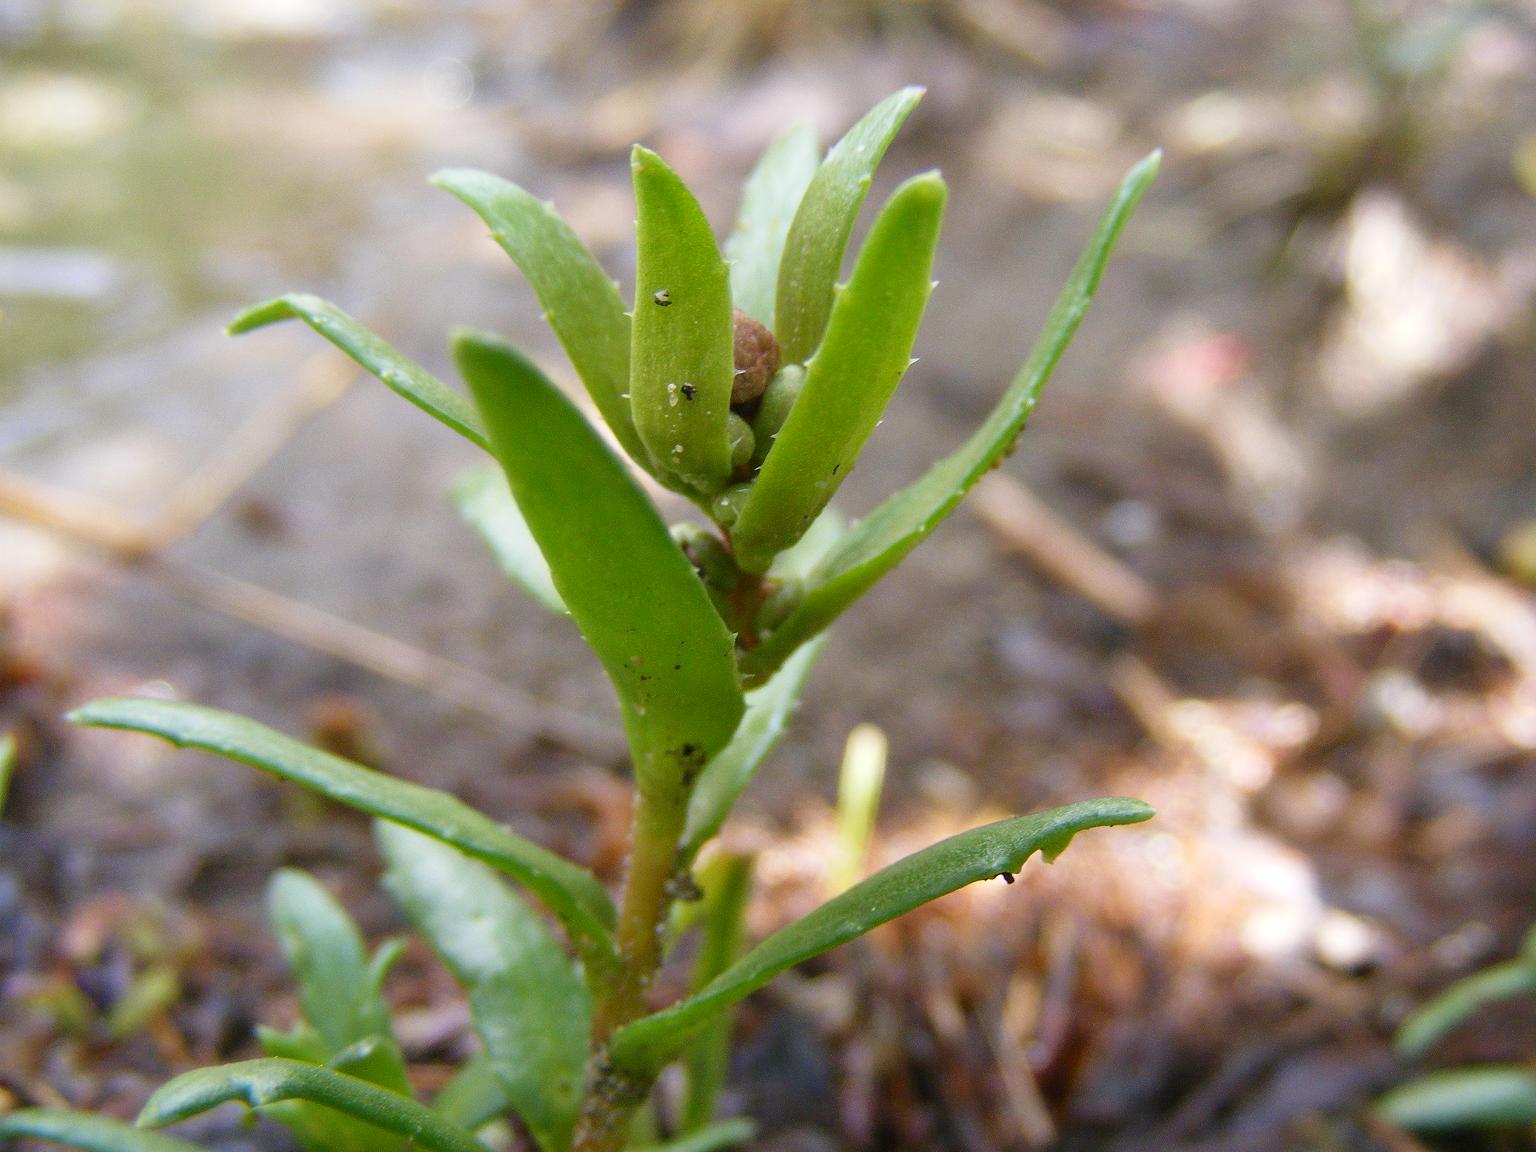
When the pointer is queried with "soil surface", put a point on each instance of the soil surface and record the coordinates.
(1281, 587)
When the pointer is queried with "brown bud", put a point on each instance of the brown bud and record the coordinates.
(757, 359)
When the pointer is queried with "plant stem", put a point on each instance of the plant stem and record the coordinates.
(612, 1095)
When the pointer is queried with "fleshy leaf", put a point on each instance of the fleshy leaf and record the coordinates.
(325, 953)
(851, 378)
(726, 881)
(681, 354)
(376, 1060)
(1461, 1000)
(581, 302)
(262, 1083)
(486, 503)
(1488, 1096)
(768, 203)
(768, 713)
(982, 853)
(372, 352)
(529, 1005)
(474, 1096)
(628, 586)
(813, 251)
(879, 542)
(570, 892)
(726, 1134)
(85, 1130)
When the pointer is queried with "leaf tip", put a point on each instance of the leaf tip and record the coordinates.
(1144, 171)
(87, 715)
(454, 180)
(260, 315)
(642, 158)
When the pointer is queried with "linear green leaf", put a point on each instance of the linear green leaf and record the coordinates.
(1463, 998)
(570, 892)
(878, 543)
(88, 1131)
(681, 354)
(261, 1083)
(529, 1005)
(647, 1045)
(474, 1096)
(813, 251)
(768, 203)
(768, 713)
(486, 503)
(725, 1134)
(325, 953)
(726, 881)
(373, 353)
(628, 586)
(581, 302)
(851, 378)
(1487, 1096)
(376, 1060)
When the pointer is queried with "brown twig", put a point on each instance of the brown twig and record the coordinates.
(1026, 527)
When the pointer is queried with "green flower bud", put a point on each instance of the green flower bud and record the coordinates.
(726, 507)
(774, 407)
(742, 441)
(708, 555)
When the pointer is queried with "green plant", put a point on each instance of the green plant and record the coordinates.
(1481, 1096)
(749, 387)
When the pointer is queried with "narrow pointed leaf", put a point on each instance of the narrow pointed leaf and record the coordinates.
(628, 586)
(570, 892)
(1491, 1096)
(529, 1005)
(85, 1130)
(1461, 1000)
(878, 543)
(325, 953)
(372, 352)
(852, 377)
(813, 251)
(768, 713)
(474, 1096)
(726, 1134)
(261, 1083)
(580, 300)
(980, 854)
(299, 1043)
(768, 203)
(681, 355)
(726, 881)
(376, 1060)
(486, 503)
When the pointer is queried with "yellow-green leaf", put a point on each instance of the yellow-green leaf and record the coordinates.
(980, 854)
(768, 204)
(681, 359)
(881, 540)
(851, 378)
(570, 892)
(813, 251)
(628, 586)
(581, 302)
(372, 352)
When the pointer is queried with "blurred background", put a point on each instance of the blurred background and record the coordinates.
(1265, 559)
